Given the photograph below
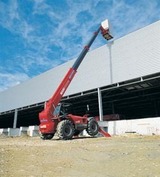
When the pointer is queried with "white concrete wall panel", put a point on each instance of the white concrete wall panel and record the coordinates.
(149, 126)
(134, 55)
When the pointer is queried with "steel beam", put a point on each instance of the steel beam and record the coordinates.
(15, 118)
(100, 105)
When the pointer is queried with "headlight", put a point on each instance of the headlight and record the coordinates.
(43, 126)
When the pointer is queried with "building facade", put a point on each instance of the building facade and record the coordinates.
(121, 77)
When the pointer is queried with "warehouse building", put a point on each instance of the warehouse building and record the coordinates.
(120, 80)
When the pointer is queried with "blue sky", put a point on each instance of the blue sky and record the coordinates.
(37, 35)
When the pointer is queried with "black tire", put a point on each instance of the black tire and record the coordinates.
(92, 127)
(65, 130)
(47, 136)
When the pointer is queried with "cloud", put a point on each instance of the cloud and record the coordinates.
(9, 80)
(13, 21)
(127, 17)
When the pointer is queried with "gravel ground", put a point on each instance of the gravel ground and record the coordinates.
(118, 156)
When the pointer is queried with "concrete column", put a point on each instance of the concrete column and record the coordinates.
(15, 118)
(100, 105)
(114, 122)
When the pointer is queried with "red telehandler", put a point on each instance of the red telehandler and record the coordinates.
(53, 119)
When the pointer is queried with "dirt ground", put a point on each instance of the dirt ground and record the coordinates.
(118, 156)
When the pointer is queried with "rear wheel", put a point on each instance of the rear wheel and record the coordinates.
(92, 127)
(65, 130)
(47, 136)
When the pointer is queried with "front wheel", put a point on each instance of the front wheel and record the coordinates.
(65, 130)
(47, 136)
(92, 127)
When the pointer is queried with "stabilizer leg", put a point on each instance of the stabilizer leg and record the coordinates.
(105, 134)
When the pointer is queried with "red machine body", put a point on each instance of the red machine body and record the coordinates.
(68, 125)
